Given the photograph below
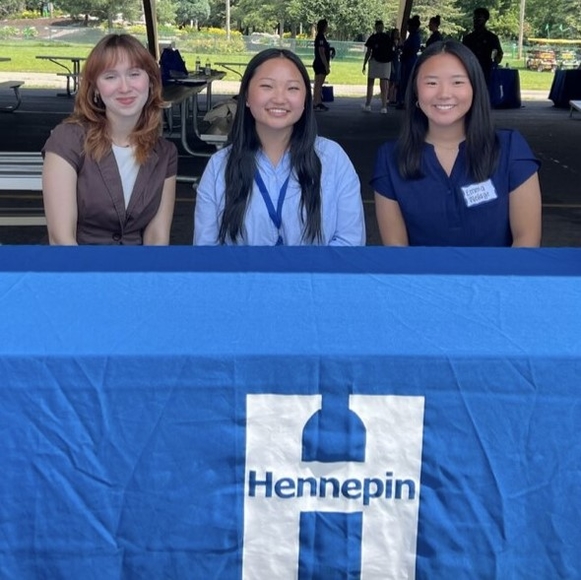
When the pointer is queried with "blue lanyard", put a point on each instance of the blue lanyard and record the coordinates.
(275, 214)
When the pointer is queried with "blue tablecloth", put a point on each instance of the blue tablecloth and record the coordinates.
(505, 88)
(226, 413)
(566, 87)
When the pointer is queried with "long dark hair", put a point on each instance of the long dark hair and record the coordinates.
(481, 143)
(244, 143)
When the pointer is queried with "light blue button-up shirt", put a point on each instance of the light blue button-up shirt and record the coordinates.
(343, 221)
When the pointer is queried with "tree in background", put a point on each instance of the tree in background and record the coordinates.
(192, 12)
(355, 20)
(348, 19)
(561, 19)
(217, 16)
(103, 9)
(572, 18)
(452, 16)
(10, 7)
(260, 15)
(165, 11)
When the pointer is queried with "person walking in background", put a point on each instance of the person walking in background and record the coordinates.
(451, 179)
(395, 73)
(484, 43)
(379, 54)
(321, 64)
(108, 175)
(277, 182)
(433, 26)
(408, 57)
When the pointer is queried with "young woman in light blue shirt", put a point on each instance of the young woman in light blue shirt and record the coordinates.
(277, 182)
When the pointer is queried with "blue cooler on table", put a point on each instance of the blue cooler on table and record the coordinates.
(505, 88)
(327, 94)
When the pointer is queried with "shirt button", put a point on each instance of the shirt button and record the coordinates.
(117, 237)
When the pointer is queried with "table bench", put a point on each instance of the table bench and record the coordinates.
(575, 106)
(185, 96)
(72, 67)
(21, 172)
(15, 86)
(72, 81)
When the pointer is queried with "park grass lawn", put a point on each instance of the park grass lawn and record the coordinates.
(347, 72)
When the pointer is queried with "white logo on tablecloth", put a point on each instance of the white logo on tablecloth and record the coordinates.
(381, 488)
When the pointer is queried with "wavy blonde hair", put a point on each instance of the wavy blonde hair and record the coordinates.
(89, 110)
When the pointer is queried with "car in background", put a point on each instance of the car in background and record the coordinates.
(542, 59)
(567, 59)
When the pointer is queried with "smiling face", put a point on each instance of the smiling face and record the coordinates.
(124, 89)
(444, 91)
(276, 96)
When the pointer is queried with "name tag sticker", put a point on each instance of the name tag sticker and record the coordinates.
(478, 193)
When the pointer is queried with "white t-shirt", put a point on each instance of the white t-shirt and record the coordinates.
(128, 169)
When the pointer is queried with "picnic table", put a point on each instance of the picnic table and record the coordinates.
(575, 106)
(239, 70)
(72, 66)
(15, 86)
(184, 94)
(206, 80)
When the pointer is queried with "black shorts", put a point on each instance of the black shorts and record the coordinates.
(319, 68)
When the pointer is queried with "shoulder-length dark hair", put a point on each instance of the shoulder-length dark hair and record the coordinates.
(244, 143)
(481, 149)
(89, 109)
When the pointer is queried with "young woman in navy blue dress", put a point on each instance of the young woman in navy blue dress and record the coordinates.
(451, 179)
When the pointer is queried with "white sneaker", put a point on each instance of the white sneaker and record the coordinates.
(366, 108)
(383, 111)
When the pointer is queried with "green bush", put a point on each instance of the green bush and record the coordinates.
(210, 42)
(7, 32)
(137, 29)
(25, 15)
(29, 32)
(165, 30)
